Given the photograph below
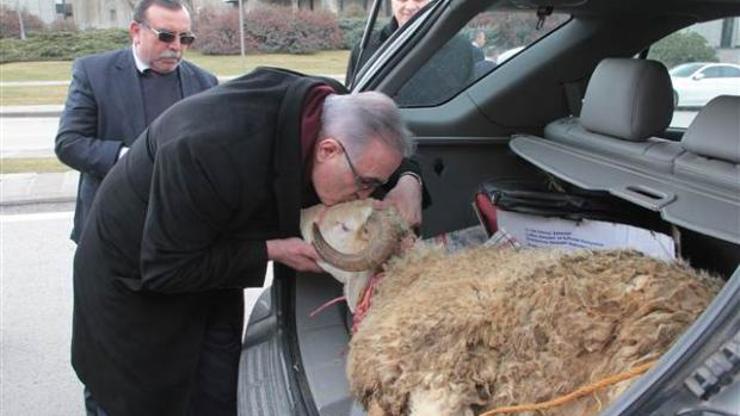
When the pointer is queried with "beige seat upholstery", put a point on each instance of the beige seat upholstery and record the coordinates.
(627, 102)
(712, 144)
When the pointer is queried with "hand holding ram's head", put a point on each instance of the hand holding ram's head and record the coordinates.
(354, 239)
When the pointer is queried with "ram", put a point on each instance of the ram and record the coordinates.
(457, 334)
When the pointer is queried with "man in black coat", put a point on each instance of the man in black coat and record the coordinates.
(208, 194)
(113, 96)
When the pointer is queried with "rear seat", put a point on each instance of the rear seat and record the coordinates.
(694, 183)
(627, 102)
(712, 145)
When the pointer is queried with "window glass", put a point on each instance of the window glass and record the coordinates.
(712, 72)
(486, 42)
(731, 72)
(685, 70)
(696, 50)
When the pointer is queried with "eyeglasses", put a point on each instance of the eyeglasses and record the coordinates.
(186, 38)
(363, 183)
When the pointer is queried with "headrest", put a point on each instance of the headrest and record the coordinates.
(628, 98)
(715, 132)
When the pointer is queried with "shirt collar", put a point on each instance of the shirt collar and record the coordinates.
(140, 65)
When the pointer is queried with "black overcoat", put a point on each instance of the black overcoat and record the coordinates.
(179, 227)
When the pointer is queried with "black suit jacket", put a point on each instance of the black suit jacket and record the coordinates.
(179, 228)
(105, 111)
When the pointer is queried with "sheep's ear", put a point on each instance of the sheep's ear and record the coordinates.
(353, 289)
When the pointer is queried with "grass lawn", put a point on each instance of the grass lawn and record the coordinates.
(322, 63)
(326, 62)
(48, 94)
(19, 165)
(36, 71)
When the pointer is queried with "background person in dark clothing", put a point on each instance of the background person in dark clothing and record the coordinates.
(446, 73)
(208, 194)
(479, 45)
(113, 96)
(403, 11)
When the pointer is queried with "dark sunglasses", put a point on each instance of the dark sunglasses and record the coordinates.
(186, 38)
(363, 183)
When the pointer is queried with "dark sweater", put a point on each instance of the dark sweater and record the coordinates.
(159, 92)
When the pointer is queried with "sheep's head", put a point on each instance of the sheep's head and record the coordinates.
(353, 240)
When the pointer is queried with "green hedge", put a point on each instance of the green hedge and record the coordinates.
(268, 29)
(68, 45)
(352, 28)
(62, 46)
(682, 47)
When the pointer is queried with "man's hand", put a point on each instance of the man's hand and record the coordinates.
(294, 253)
(406, 197)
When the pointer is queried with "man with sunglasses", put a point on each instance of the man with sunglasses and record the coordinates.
(115, 95)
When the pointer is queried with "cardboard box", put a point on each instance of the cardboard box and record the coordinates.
(537, 231)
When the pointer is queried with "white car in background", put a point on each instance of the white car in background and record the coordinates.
(694, 84)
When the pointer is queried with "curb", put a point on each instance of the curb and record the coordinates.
(35, 201)
(37, 188)
(30, 114)
(39, 110)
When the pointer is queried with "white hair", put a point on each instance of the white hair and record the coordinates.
(355, 119)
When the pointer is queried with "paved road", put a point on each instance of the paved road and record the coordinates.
(35, 316)
(27, 137)
(682, 119)
(35, 313)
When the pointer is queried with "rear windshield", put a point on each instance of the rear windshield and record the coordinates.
(488, 41)
(708, 49)
(685, 70)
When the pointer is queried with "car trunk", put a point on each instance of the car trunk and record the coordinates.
(296, 362)
(293, 363)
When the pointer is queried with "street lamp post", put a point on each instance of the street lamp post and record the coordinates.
(21, 26)
(241, 27)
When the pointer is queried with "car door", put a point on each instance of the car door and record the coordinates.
(729, 80)
(709, 84)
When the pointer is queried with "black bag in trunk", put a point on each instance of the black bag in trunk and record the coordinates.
(550, 197)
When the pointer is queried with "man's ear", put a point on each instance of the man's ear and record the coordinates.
(327, 148)
(134, 31)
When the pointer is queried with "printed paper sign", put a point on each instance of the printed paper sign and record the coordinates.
(536, 231)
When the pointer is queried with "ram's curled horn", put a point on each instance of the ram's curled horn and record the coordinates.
(384, 236)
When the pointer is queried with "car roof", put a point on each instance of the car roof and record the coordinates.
(701, 10)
